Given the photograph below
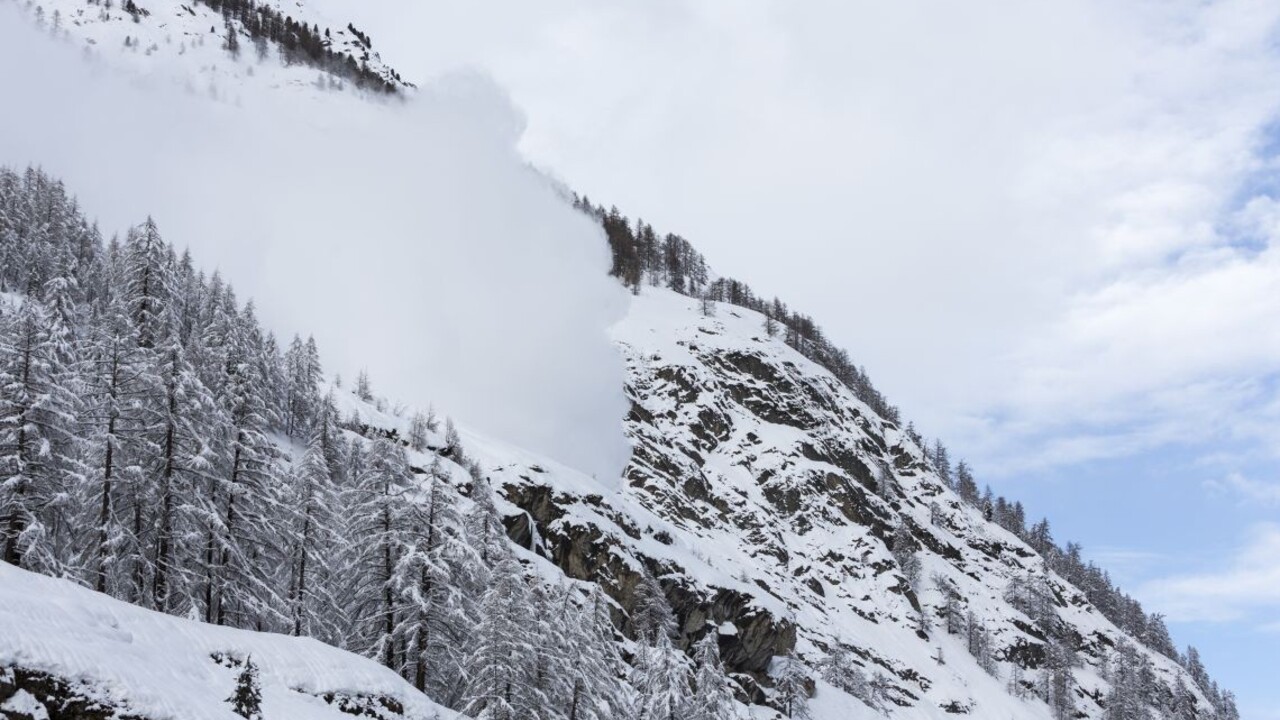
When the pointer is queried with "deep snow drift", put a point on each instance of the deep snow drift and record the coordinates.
(158, 666)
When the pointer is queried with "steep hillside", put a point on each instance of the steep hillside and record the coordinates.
(779, 511)
(222, 46)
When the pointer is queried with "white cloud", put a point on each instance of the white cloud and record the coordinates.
(1248, 586)
(411, 239)
(1247, 489)
(1019, 217)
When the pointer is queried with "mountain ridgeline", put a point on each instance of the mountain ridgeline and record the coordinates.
(642, 257)
(781, 541)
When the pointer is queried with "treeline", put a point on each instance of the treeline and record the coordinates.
(640, 256)
(300, 43)
(1132, 678)
(157, 445)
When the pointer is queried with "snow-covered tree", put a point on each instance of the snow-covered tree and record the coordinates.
(246, 699)
(597, 687)
(37, 415)
(1057, 682)
(840, 669)
(500, 665)
(435, 613)
(661, 680)
(484, 525)
(941, 462)
(904, 547)
(114, 379)
(378, 507)
(315, 541)
(651, 615)
(791, 684)
(712, 696)
(303, 373)
(418, 430)
(965, 485)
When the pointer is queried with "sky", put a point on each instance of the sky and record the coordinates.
(1050, 231)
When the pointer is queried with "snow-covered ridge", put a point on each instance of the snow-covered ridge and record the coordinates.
(122, 658)
(778, 508)
(215, 47)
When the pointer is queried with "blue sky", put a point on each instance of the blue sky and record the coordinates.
(1158, 515)
(1047, 230)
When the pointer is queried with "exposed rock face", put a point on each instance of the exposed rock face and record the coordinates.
(33, 695)
(765, 497)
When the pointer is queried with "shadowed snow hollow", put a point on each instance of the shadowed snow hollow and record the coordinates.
(409, 236)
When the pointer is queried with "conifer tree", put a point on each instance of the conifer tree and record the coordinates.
(115, 378)
(966, 486)
(500, 665)
(246, 700)
(302, 380)
(904, 552)
(712, 696)
(149, 282)
(315, 538)
(484, 525)
(239, 591)
(661, 680)
(596, 687)
(651, 615)
(791, 681)
(178, 461)
(36, 423)
(435, 614)
(378, 508)
(839, 669)
(418, 432)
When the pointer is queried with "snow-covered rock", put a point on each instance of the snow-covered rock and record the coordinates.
(765, 496)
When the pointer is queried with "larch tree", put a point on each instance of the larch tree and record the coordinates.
(435, 616)
(712, 695)
(661, 680)
(597, 687)
(378, 507)
(651, 615)
(36, 426)
(500, 665)
(315, 540)
(791, 685)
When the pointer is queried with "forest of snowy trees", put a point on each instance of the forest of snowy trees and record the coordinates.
(157, 445)
(300, 43)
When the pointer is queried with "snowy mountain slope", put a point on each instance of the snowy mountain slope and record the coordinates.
(767, 498)
(196, 44)
(70, 652)
(778, 510)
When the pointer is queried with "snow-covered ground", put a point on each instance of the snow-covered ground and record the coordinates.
(160, 666)
(186, 42)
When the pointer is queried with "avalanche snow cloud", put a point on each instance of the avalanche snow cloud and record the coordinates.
(410, 237)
